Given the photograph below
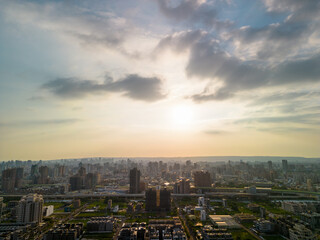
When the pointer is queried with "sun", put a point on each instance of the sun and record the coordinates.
(182, 116)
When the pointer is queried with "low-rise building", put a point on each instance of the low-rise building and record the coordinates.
(313, 219)
(210, 233)
(100, 224)
(65, 231)
(48, 210)
(299, 232)
(264, 226)
(245, 218)
(224, 221)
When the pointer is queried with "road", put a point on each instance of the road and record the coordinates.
(253, 234)
(66, 219)
(182, 217)
(115, 236)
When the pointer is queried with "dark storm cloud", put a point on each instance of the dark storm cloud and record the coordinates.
(133, 86)
(193, 12)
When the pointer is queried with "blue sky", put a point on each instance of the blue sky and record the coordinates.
(159, 78)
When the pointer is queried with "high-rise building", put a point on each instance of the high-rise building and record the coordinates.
(34, 171)
(182, 186)
(82, 180)
(76, 182)
(203, 215)
(165, 200)
(1, 206)
(270, 165)
(82, 171)
(309, 184)
(151, 200)
(285, 165)
(19, 177)
(44, 175)
(110, 204)
(29, 209)
(202, 179)
(9, 180)
(158, 200)
(134, 180)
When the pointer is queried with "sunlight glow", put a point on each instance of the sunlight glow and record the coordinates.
(182, 116)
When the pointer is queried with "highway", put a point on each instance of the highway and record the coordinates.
(142, 195)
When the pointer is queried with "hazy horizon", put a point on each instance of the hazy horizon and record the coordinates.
(184, 158)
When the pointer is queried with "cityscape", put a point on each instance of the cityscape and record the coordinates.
(124, 199)
(160, 120)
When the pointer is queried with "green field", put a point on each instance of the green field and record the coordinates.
(242, 235)
(91, 214)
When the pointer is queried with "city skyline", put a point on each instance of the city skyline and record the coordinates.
(160, 78)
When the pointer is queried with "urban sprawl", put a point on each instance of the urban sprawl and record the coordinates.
(167, 199)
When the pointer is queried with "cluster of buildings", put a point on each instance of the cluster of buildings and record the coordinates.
(11, 179)
(83, 180)
(291, 228)
(100, 224)
(182, 186)
(210, 233)
(65, 231)
(158, 181)
(158, 200)
(301, 206)
(169, 229)
(131, 208)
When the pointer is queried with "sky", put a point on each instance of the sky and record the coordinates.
(159, 78)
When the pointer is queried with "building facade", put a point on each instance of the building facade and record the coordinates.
(134, 181)
(30, 209)
(158, 200)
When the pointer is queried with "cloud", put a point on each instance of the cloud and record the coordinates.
(306, 70)
(291, 5)
(194, 12)
(208, 60)
(180, 41)
(285, 97)
(218, 96)
(286, 130)
(36, 98)
(215, 132)
(273, 41)
(43, 122)
(132, 86)
(309, 118)
(89, 28)
(282, 39)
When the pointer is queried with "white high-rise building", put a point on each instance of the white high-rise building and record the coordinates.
(201, 201)
(203, 215)
(30, 209)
